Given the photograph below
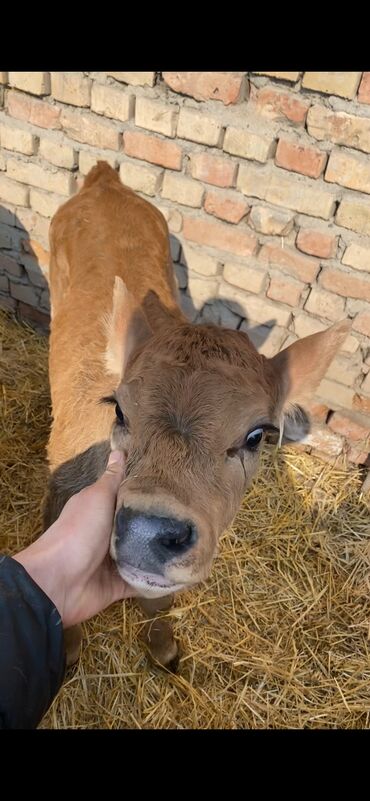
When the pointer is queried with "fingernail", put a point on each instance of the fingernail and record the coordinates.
(115, 457)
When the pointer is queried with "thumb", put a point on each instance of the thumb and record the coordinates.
(114, 470)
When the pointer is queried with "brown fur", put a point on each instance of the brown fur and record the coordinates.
(189, 393)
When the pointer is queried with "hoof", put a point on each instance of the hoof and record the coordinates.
(173, 666)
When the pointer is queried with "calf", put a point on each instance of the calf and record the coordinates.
(188, 404)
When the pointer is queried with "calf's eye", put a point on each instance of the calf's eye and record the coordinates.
(120, 416)
(253, 439)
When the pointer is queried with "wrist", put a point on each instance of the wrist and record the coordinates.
(43, 566)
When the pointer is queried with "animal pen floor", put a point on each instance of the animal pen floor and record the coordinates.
(277, 637)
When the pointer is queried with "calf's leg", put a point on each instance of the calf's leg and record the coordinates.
(158, 634)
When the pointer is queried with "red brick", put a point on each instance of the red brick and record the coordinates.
(28, 172)
(181, 189)
(36, 112)
(7, 215)
(326, 441)
(290, 261)
(339, 127)
(141, 178)
(244, 277)
(343, 84)
(152, 149)
(278, 105)
(349, 170)
(364, 90)
(135, 78)
(345, 284)
(172, 216)
(243, 142)
(34, 248)
(349, 428)
(224, 86)
(350, 345)
(90, 128)
(316, 243)
(297, 192)
(325, 304)
(357, 456)
(213, 169)
(343, 369)
(354, 214)
(286, 290)
(268, 341)
(13, 192)
(7, 303)
(357, 256)
(361, 404)
(111, 102)
(318, 411)
(219, 236)
(229, 207)
(4, 283)
(292, 77)
(298, 158)
(361, 323)
(197, 126)
(31, 313)
(10, 265)
(258, 310)
(155, 116)
(271, 221)
(71, 87)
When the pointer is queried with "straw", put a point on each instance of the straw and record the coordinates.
(278, 637)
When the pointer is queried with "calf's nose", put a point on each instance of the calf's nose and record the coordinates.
(147, 538)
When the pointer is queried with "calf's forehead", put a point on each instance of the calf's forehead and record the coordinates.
(217, 395)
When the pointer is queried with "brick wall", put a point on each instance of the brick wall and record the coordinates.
(264, 179)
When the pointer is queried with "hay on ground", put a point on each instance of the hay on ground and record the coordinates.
(279, 636)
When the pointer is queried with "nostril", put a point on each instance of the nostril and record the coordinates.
(146, 539)
(177, 540)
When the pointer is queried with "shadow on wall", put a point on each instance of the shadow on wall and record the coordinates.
(24, 286)
(221, 310)
(23, 271)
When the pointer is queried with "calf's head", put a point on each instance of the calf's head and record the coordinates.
(193, 403)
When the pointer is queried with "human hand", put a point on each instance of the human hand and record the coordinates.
(70, 561)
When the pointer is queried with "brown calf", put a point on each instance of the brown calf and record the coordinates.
(189, 404)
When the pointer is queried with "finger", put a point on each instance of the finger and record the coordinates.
(116, 462)
(114, 472)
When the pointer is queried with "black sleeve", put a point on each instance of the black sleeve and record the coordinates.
(32, 659)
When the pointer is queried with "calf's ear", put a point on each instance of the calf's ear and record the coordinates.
(299, 370)
(159, 316)
(127, 329)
